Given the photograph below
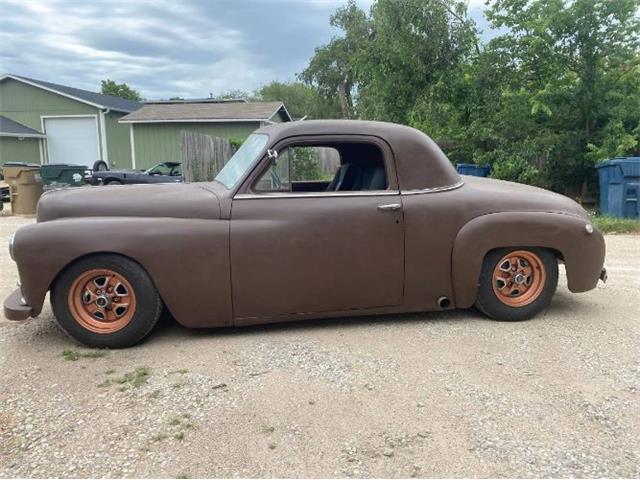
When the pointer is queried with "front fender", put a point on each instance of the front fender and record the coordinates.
(583, 253)
(188, 259)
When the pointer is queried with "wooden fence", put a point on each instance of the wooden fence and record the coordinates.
(203, 156)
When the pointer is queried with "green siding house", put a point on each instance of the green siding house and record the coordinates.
(155, 130)
(43, 122)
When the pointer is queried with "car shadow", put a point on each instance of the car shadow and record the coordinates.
(168, 328)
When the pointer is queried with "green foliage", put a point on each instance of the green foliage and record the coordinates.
(557, 91)
(304, 164)
(72, 355)
(122, 90)
(235, 94)
(236, 143)
(333, 69)
(300, 99)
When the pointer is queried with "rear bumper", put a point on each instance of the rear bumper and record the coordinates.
(15, 307)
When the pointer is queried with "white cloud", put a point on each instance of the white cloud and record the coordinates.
(161, 48)
(165, 48)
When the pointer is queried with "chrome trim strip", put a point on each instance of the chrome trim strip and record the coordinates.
(433, 190)
(366, 193)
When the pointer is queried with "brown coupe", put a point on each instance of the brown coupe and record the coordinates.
(386, 225)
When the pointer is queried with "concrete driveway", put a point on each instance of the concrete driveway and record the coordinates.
(424, 395)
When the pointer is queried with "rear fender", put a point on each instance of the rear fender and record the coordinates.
(583, 253)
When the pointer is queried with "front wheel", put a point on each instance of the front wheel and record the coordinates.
(517, 283)
(106, 301)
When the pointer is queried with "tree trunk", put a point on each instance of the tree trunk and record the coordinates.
(344, 92)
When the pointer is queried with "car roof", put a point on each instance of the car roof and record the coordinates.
(420, 163)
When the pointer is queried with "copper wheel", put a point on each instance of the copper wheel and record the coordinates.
(519, 278)
(102, 301)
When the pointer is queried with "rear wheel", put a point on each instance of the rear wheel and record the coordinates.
(106, 301)
(517, 283)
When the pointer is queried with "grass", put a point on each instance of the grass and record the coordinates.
(130, 379)
(72, 355)
(607, 224)
(158, 437)
(179, 436)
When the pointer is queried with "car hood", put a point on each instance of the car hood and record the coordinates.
(487, 195)
(175, 200)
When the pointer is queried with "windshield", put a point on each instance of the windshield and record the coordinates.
(237, 166)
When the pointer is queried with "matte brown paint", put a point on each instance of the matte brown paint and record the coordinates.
(221, 257)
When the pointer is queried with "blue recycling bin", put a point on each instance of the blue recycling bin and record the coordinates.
(473, 169)
(620, 187)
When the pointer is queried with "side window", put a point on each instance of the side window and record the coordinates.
(311, 163)
(276, 177)
(325, 168)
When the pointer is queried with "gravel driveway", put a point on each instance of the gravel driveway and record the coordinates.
(433, 394)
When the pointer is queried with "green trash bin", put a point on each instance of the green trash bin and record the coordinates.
(63, 175)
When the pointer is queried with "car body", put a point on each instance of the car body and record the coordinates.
(165, 172)
(225, 253)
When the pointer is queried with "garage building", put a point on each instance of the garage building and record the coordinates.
(156, 128)
(43, 122)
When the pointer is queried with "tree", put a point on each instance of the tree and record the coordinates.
(333, 68)
(556, 92)
(300, 99)
(567, 64)
(414, 45)
(122, 90)
(234, 94)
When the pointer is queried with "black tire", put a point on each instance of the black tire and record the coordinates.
(146, 313)
(100, 166)
(113, 181)
(490, 304)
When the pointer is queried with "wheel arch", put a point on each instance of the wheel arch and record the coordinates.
(85, 256)
(108, 180)
(564, 235)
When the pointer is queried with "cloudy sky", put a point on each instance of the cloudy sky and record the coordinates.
(167, 48)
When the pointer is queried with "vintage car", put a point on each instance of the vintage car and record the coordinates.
(166, 172)
(395, 229)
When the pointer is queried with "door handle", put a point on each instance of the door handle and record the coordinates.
(390, 206)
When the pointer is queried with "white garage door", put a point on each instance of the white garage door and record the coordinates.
(72, 140)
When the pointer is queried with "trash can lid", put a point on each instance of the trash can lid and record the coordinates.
(630, 166)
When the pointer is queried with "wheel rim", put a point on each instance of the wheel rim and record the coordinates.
(102, 301)
(519, 278)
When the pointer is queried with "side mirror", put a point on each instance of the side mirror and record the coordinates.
(272, 154)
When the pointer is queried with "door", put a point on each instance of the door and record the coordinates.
(313, 252)
(72, 140)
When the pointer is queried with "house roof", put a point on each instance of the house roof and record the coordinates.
(206, 111)
(85, 96)
(9, 128)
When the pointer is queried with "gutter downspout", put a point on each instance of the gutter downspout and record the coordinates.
(103, 135)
